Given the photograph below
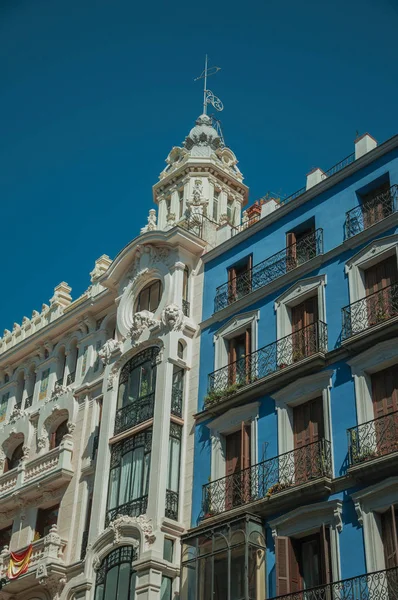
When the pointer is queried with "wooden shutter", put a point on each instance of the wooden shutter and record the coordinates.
(245, 446)
(248, 351)
(389, 535)
(316, 422)
(53, 440)
(296, 583)
(308, 423)
(381, 275)
(326, 567)
(233, 452)
(282, 554)
(231, 284)
(310, 311)
(385, 391)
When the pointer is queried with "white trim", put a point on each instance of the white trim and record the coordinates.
(238, 324)
(300, 291)
(374, 359)
(369, 503)
(372, 254)
(308, 519)
(228, 423)
(301, 391)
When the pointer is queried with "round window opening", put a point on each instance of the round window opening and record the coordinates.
(149, 297)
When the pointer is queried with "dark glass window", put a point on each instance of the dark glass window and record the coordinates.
(46, 518)
(5, 536)
(116, 577)
(58, 434)
(149, 297)
(15, 459)
(168, 549)
(138, 377)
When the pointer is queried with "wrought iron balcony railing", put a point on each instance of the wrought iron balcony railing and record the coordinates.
(270, 269)
(267, 478)
(370, 311)
(185, 307)
(381, 585)
(284, 352)
(134, 413)
(134, 508)
(171, 505)
(373, 439)
(176, 401)
(71, 378)
(95, 447)
(372, 211)
(28, 401)
(83, 550)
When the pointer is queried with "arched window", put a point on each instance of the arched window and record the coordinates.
(58, 434)
(15, 459)
(136, 390)
(149, 297)
(115, 577)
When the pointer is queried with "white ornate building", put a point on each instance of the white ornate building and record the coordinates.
(97, 397)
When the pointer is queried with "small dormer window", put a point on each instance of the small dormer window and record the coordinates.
(149, 297)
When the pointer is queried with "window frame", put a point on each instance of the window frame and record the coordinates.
(148, 286)
(107, 564)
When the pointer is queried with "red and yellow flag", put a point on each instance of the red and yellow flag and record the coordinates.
(19, 563)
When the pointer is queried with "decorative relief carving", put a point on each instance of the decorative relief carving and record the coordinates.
(71, 427)
(151, 226)
(172, 317)
(141, 321)
(108, 349)
(58, 391)
(142, 522)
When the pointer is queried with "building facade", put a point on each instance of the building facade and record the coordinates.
(295, 489)
(95, 402)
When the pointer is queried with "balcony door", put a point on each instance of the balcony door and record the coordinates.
(237, 461)
(385, 410)
(300, 247)
(308, 428)
(304, 329)
(389, 522)
(377, 205)
(239, 352)
(381, 302)
(239, 280)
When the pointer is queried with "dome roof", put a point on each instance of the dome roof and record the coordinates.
(203, 137)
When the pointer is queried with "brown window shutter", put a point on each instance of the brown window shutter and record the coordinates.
(300, 426)
(326, 564)
(6, 465)
(379, 394)
(245, 445)
(233, 453)
(310, 311)
(248, 351)
(317, 423)
(296, 583)
(389, 535)
(282, 545)
(297, 317)
(231, 284)
(53, 440)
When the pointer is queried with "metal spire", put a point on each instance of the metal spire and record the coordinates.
(208, 96)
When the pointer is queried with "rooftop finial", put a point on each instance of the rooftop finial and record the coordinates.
(208, 96)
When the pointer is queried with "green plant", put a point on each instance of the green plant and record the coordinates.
(214, 397)
(277, 487)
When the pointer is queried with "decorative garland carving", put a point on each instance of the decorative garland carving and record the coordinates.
(110, 347)
(141, 320)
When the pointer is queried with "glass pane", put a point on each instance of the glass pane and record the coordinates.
(145, 379)
(188, 582)
(125, 478)
(113, 487)
(132, 585)
(124, 582)
(168, 548)
(220, 542)
(165, 590)
(155, 296)
(122, 398)
(147, 464)
(205, 544)
(205, 577)
(238, 537)
(238, 573)
(256, 573)
(174, 464)
(99, 592)
(221, 576)
(111, 584)
(137, 472)
(143, 301)
(134, 382)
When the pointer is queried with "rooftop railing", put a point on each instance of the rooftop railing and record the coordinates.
(372, 211)
(134, 413)
(270, 269)
(286, 351)
(267, 478)
(373, 439)
(381, 585)
(370, 311)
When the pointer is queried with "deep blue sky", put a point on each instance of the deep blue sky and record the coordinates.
(94, 93)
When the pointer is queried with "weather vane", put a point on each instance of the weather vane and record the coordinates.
(208, 96)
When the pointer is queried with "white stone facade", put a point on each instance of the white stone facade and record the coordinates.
(61, 426)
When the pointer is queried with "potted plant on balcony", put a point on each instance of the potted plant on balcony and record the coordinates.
(277, 487)
(207, 503)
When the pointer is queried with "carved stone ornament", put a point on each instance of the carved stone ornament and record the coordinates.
(71, 427)
(223, 220)
(142, 522)
(107, 350)
(141, 321)
(172, 317)
(16, 414)
(25, 452)
(197, 191)
(41, 442)
(151, 226)
(58, 391)
(116, 526)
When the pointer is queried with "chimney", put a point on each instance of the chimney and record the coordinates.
(364, 144)
(315, 176)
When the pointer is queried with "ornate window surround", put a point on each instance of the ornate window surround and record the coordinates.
(369, 504)
(300, 291)
(372, 254)
(306, 519)
(238, 324)
(374, 359)
(229, 423)
(296, 393)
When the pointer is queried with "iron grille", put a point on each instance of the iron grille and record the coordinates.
(83, 550)
(267, 478)
(280, 354)
(381, 585)
(134, 508)
(134, 413)
(171, 505)
(17, 405)
(71, 378)
(185, 308)
(369, 311)
(28, 401)
(270, 269)
(124, 554)
(372, 211)
(373, 439)
(176, 401)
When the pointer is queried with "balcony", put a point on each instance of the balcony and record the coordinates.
(134, 413)
(171, 510)
(277, 359)
(381, 585)
(309, 467)
(371, 212)
(270, 269)
(134, 508)
(373, 446)
(374, 312)
(46, 559)
(44, 473)
(176, 401)
(185, 308)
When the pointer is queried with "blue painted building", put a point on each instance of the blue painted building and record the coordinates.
(296, 431)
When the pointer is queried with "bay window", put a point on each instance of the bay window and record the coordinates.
(116, 578)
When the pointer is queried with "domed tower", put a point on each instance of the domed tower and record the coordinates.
(201, 177)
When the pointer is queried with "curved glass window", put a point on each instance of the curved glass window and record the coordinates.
(58, 435)
(149, 297)
(115, 577)
(136, 396)
(129, 476)
(15, 459)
